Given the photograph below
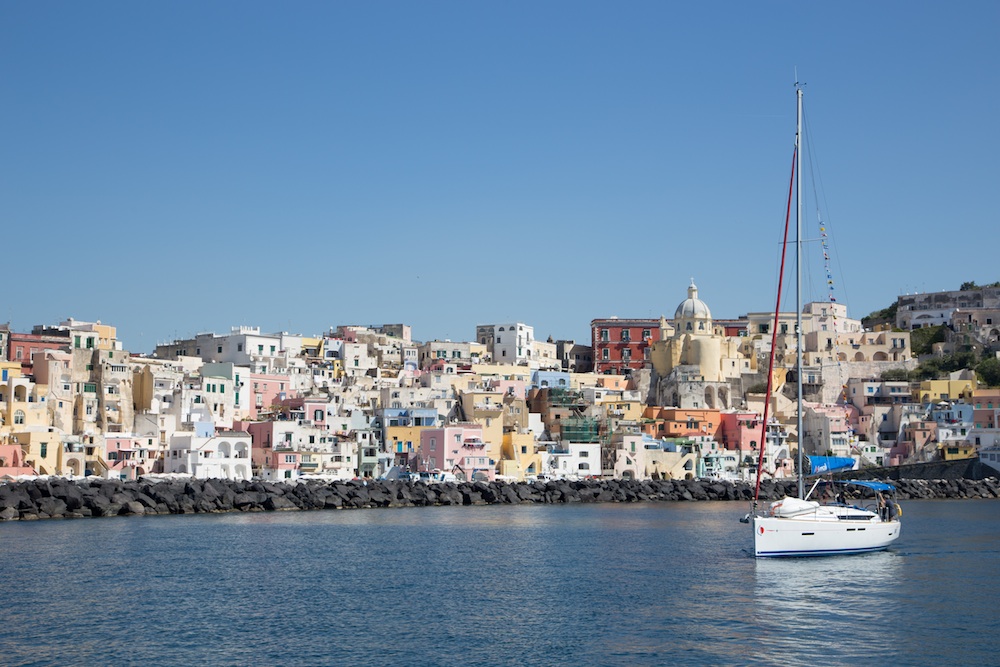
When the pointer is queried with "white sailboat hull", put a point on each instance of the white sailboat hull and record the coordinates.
(827, 531)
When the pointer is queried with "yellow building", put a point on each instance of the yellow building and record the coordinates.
(486, 408)
(693, 341)
(932, 391)
(518, 458)
(41, 450)
(404, 440)
(956, 451)
(91, 335)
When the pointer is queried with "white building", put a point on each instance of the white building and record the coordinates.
(508, 343)
(205, 454)
(571, 460)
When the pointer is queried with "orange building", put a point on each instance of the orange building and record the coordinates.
(661, 422)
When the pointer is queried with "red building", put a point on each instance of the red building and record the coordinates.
(21, 346)
(620, 345)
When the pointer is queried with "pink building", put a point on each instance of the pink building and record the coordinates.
(457, 449)
(266, 391)
(125, 459)
(740, 430)
(275, 450)
(12, 462)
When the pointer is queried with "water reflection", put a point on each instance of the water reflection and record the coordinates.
(811, 608)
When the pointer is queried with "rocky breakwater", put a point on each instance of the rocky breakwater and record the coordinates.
(60, 498)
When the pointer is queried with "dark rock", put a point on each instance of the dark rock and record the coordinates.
(278, 503)
(52, 506)
(133, 507)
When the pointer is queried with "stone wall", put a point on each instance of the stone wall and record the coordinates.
(60, 498)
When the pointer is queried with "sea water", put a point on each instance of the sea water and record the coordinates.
(595, 584)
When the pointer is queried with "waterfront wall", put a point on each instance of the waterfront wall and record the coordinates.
(60, 498)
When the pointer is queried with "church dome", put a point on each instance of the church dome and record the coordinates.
(692, 307)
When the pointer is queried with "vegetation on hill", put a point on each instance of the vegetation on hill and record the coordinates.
(988, 371)
(971, 285)
(885, 316)
(922, 340)
(938, 368)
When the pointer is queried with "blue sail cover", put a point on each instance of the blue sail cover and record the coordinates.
(821, 464)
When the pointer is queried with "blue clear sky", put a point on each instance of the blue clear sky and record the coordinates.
(175, 167)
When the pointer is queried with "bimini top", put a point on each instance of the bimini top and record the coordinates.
(866, 483)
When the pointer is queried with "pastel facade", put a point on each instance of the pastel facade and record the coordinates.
(519, 458)
(827, 430)
(458, 449)
(660, 422)
(486, 408)
(12, 464)
(459, 353)
(22, 347)
(866, 346)
(933, 391)
(861, 392)
(128, 457)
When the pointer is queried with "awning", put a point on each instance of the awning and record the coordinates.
(823, 464)
(866, 483)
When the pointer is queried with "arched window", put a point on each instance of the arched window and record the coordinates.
(18, 416)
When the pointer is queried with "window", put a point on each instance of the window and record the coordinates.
(605, 354)
(604, 335)
(626, 335)
(18, 416)
(44, 450)
(432, 444)
(289, 458)
(646, 334)
(220, 349)
(239, 347)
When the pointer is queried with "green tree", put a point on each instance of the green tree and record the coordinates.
(922, 340)
(895, 375)
(968, 286)
(885, 316)
(988, 371)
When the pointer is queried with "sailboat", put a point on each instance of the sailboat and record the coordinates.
(863, 515)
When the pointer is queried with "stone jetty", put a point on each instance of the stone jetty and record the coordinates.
(60, 498)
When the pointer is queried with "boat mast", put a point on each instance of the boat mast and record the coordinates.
(798, 280)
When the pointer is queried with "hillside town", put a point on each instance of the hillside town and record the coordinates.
(667, 398)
